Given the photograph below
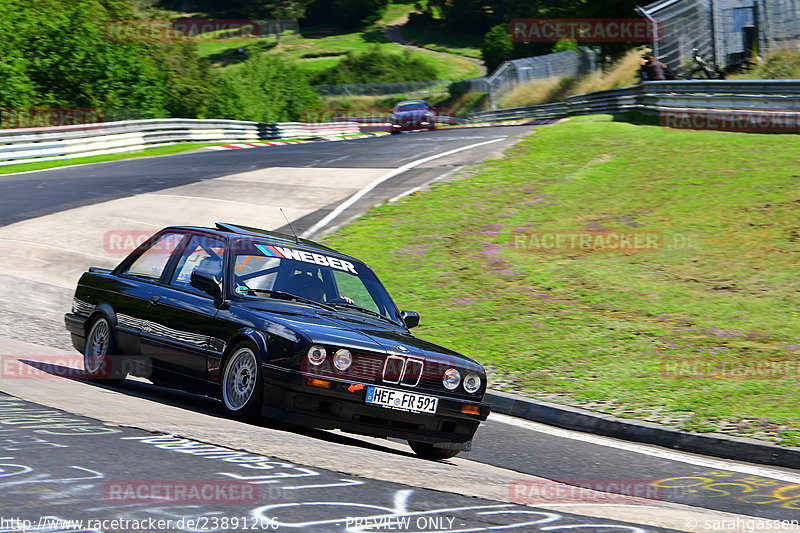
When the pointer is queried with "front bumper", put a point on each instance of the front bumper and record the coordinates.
(76, 325)
(289, 397)
(412, 126)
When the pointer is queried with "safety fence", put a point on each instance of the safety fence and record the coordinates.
(752, 96)
(507, 76)
(419, 88)
(64, 142)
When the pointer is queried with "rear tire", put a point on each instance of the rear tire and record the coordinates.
(241, 387)
(428, 451)
(99, 363)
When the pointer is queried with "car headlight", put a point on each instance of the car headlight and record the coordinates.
(342, 359)
(472, 383)
(451, 379)
(316, 355)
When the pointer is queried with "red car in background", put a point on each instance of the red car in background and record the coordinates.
(412, 115)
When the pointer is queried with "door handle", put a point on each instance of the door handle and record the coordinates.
(155, 299)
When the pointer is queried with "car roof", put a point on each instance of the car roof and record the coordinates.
(412, 102)
(225, 229)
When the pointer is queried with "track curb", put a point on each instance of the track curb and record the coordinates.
(714, 444)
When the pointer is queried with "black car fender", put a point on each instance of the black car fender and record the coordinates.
(256, 337)
(104, 309)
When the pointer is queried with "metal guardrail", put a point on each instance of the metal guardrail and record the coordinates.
(65, 142)
(656, 96)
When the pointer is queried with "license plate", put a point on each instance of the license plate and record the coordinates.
(405, 401)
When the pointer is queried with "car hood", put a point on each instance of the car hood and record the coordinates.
(414, 113)
(352, 331)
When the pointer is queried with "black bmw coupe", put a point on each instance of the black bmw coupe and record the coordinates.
(275, 325)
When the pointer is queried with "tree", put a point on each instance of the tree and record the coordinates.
(285, 10)
(358, 13)
(497, 47)
(262, 89)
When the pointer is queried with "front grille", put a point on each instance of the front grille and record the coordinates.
(412, 373)
(393, 369)
(401, 370)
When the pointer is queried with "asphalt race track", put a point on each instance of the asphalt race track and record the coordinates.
(72, 450)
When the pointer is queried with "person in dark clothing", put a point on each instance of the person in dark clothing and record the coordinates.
(654, 70)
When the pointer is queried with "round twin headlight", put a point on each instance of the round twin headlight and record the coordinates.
(472, 383)
(451, 379)
(342, 359)
(316, 355)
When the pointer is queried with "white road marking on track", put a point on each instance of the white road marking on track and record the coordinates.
(424, 185)
(204, 198)
(716, 464)
(399, 170)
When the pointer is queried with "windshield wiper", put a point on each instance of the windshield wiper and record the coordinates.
(287, 296)
(364, 310)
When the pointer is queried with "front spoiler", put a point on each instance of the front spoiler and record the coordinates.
(289, 397)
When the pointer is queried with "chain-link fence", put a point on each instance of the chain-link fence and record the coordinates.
(724, 31)
(506, 77)
(520, 71)
(416, 88)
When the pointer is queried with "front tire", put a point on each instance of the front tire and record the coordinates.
(98, 361)
(428, 451)
(241, 387)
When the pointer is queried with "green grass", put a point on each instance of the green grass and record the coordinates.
(441, 40)
(398, 9)
(603, 326)
(314, 54)
(148, 152)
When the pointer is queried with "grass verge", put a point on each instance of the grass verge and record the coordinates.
(623, 73)
(446, 41)
(314, 54)
(149, 152)
(675, 334)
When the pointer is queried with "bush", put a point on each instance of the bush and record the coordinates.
(782, 65)
(376, 65)
(57, 55)
(349, 14)
(565, 44)
(497, 47)
(262, 89)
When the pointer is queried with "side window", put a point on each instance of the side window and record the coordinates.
(255, 272)
(351, 287)
(151, 263)
(202, 253)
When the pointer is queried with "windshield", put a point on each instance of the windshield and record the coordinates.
(412, 106)
(264, 270)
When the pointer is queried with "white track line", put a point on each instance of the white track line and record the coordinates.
(661, 453)
(399, 170)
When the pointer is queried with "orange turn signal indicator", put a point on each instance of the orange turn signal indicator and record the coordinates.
(470, 409)
(321, 383)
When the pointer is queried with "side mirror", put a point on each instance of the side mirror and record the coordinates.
(410, 318)
(208, 283)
